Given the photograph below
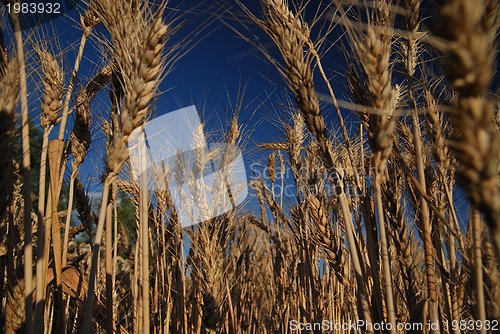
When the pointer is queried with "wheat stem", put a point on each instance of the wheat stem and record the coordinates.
(41, 233)
(109, 270)
(28, 247)
(411, 23)
(62, 128)
(384, 246)
(144, 225)
(95, 255)
(425, 224)
(365, 306)
(69, 211)
(72, 80)
(373, 50)
(478, 268)
(115, 255)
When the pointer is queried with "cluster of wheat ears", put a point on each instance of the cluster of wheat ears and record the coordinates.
(400, 251)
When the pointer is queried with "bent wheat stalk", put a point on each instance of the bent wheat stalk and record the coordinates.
(478, 258)
(55, 153)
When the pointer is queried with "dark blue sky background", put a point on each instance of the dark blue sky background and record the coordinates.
(208, 76)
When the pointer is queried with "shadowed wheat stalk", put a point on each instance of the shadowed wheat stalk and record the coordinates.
(28, 247)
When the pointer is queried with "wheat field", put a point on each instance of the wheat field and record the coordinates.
(392, 226)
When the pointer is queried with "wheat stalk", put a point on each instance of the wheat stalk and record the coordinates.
(372, 53)
(88, 22)
(139, 88)
(478, 238)
(410, 53)
(491, 279)
(291, 35)
(80, 140)
(60, 169)
(53, 80)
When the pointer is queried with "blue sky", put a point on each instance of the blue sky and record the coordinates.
(208, 76)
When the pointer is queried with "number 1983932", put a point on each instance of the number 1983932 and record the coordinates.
(471, 325)
(34, 8)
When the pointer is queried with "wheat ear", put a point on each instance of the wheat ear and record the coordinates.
(469, 29)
